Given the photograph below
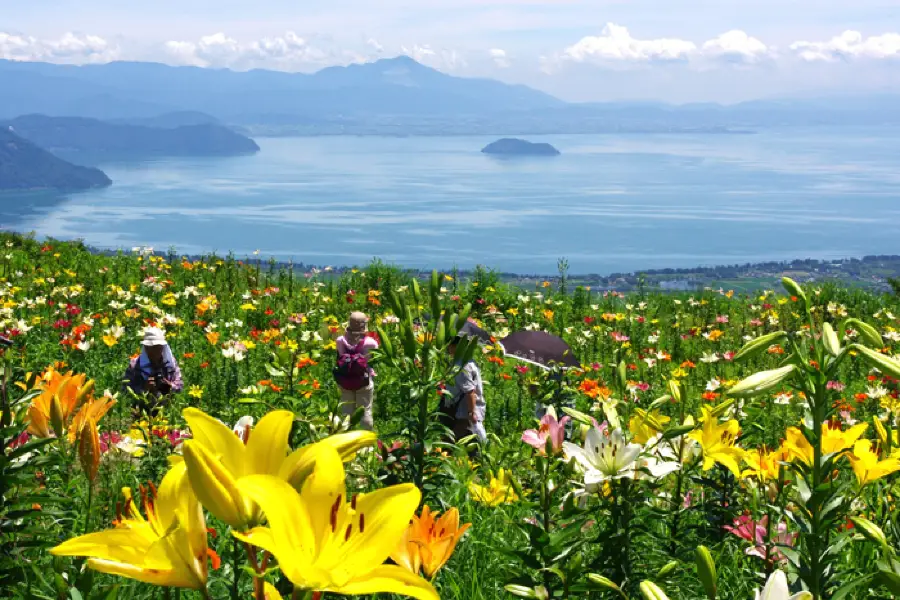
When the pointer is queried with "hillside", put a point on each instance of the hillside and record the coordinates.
(24, 166)
(72, 137)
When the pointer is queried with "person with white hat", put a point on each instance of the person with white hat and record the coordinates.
(154, 373)
(354, 376)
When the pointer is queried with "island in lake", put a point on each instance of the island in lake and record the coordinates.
(25, 166)
(517, 147)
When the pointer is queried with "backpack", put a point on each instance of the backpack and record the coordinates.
(352, 370)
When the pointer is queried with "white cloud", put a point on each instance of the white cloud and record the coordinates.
(736, 46)
(70, 48)
(850, 44)
(375, 46)
(498, 55)
(287, 52)
(444, 59)
(418, 53)
(616, 44)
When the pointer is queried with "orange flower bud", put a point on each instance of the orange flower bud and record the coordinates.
(89, 449)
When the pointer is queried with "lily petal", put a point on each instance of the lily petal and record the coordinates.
(268, 443)
(219, 438)
(387, 513)
(390, 579)
(285, 513)
(215, 486)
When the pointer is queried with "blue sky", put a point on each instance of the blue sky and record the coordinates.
(672, 50)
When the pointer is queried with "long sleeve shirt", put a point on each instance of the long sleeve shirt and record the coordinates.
(168, 378)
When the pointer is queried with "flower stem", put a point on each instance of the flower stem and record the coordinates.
(237, 570)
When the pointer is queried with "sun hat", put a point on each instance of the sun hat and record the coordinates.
(154, 336)
(357, 326)
(358, 323)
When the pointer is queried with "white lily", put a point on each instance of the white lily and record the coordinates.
(242, 428)
(605, 456)
(777, 589)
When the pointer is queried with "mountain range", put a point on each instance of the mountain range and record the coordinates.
(389, 96)
(139, 90)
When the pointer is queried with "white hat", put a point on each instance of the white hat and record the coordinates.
(153, 336)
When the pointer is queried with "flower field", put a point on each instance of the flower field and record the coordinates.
(712, 445)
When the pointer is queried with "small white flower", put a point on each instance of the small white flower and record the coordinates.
(242, 428)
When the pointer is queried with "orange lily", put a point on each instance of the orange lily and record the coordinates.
(53, 408)
(429, 541)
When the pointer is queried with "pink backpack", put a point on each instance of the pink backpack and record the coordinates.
(352, 370)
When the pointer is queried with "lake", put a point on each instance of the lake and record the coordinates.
(608, 203)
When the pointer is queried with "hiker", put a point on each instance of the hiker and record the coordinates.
(467, 396)
(154, 373)
(353, 374)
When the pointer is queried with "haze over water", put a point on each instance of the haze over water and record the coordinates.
(608, 203)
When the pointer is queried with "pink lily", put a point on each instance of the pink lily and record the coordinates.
(551, 428)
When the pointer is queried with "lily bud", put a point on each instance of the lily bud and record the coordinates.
(761, 382)
(884, 363)
(793, 288)
(604, 582)
(868, 334)
(830, 339)
(57, 420)
(870, 530)
(84, 392)
(754, 347)
(674, 390)
(651, 591)
(215, 487)
(89, 449)
(772, 491)
(706, 570)
(667, 569)
(521, 591)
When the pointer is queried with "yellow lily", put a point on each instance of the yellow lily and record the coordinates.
(868, 465)
(498, 491)
(717, 443)
(886, 440)
(834, 440)
(645, 426)
(429, 541)
(168, 548)
(797, 446)
(325, 541)
(216, 458)
(763, 465)
(269, 592)
(299, 464)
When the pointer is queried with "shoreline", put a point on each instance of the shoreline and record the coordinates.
(870, 271)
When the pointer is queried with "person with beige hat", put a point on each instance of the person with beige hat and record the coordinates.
(354, 376)
(154, 372)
